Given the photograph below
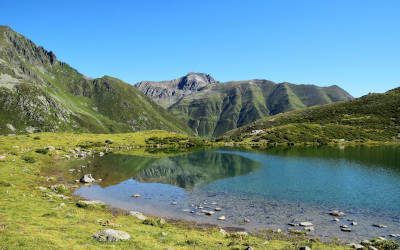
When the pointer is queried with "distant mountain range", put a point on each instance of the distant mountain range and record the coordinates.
(40, 93)
(211, 108)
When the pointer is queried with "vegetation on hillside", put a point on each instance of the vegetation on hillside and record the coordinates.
(374, 117)
(211, 108)
(40, 93)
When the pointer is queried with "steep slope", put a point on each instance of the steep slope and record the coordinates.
(214, 108)
(166, 93)
(372, 117)
(40, 93)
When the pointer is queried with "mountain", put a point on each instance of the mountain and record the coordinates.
(373, 117)
(212, 108)
(166, 93)
(40, 93)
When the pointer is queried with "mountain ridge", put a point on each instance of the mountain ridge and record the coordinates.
(40, 93)
(218, 107)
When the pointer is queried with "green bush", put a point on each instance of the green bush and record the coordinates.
(43, 151)
(29, 159)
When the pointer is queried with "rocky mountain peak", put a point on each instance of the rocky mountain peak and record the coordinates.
(194, 81)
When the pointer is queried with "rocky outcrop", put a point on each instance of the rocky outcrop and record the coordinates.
(166, 93)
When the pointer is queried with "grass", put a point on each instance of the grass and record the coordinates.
(373, 118)
(34, 215)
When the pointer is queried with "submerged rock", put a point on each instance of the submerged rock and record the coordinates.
(111, 235)
(87, 178)
(337, 213)
(379, 225)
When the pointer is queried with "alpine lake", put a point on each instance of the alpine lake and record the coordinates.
(257, 190)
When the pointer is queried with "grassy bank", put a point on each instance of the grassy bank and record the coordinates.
(34, 216)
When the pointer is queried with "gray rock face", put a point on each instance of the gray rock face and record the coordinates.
(111, 235)
(166, 93)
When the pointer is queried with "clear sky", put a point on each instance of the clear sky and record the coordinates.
(352, 43)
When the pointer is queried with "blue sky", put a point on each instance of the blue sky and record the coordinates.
(354, 44)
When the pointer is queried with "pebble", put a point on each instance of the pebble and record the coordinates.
(306, 224)
(217, 209)
(136, 195)
(309, 228)
(379, 225)
(353, 223)
(221, 218)
(336, 219)
(206, 212)
(222, 231)
(356, 246)
(345, 229)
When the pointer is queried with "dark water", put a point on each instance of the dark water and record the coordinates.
(270, 188)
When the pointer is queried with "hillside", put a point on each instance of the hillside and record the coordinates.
(373, 117)
(40, 93)
(213, 108)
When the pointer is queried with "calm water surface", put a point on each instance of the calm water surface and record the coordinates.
(269, 188)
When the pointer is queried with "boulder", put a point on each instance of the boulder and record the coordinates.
(111, 235)
(90, 204)
(304, 248)
(138, 215)
(87, 178)
(221, 218)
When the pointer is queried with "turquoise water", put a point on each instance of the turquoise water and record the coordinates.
(269, 188)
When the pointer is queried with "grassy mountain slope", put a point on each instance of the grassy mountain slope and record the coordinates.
(40, 93)
(372, 117)
(218, 108)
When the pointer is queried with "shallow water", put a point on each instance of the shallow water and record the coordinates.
(269, 188)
